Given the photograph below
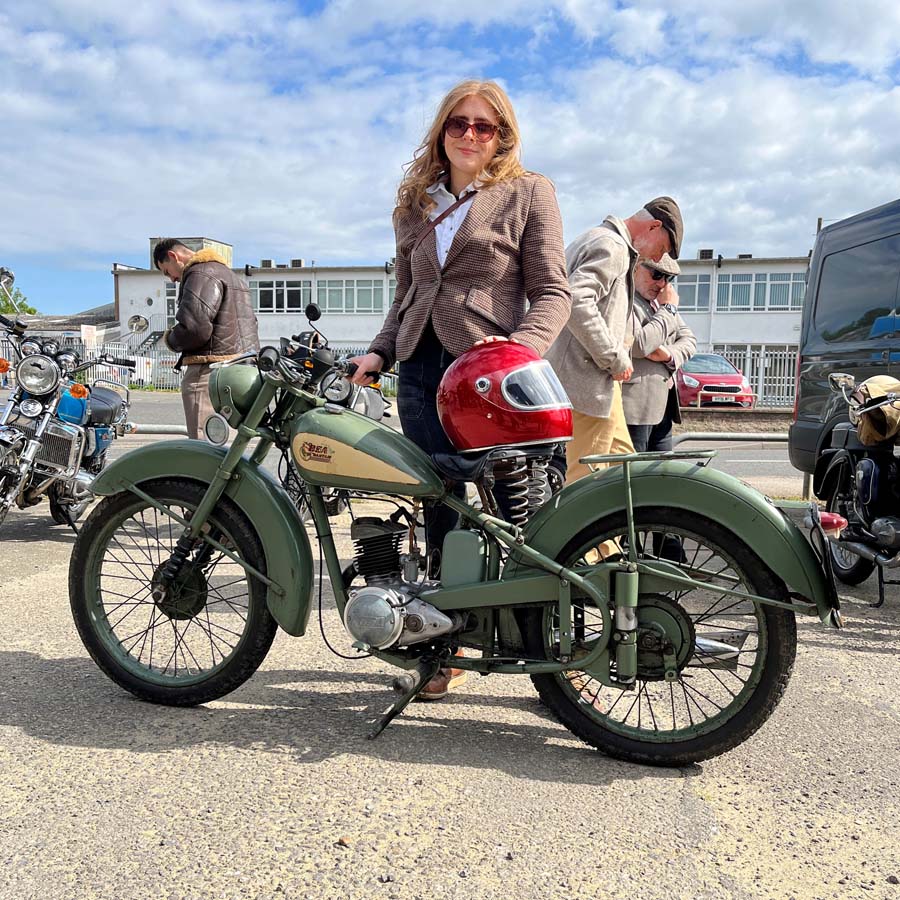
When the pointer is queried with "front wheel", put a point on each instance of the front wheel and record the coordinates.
(63, 510)
(210, 631)
(734, 657)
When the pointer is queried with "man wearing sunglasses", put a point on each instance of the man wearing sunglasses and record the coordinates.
(591, 354)
(662, 343)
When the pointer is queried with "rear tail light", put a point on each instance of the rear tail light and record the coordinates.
(832, 524)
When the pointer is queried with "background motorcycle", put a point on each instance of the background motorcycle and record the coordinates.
(181, 576)
(54, 432)
(861, 482)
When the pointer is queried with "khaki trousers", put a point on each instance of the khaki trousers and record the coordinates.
(592, 436)
(195, 397)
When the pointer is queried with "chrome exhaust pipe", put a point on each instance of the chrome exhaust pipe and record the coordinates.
(887, 562)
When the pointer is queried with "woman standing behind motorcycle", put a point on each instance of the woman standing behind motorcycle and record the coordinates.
(476, 234)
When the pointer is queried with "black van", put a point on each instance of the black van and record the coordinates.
(850, 322)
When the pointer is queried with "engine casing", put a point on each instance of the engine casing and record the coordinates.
(385, 616)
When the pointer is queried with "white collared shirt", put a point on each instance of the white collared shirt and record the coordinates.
(446, 231)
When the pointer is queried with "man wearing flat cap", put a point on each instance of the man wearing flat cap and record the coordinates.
(662, 343)
(591, 354)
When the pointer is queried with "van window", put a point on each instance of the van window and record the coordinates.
(858, 292)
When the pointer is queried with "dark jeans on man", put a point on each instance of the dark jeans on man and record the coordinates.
(651, 438)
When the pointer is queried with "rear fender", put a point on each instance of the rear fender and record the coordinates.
(829, 470)
(260, 498)
(699, 489)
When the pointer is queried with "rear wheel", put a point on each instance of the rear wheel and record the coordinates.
(848, 567)
(210, 631)
(734, 657)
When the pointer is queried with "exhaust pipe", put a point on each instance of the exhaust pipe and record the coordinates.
(886, 562)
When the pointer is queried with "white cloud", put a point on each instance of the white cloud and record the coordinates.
(286, 135)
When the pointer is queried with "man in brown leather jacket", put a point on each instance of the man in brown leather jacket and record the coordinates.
(214, 321)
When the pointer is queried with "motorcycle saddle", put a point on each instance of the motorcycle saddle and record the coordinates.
(104, 406)
(470, 467)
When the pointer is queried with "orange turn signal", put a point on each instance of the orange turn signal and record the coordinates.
(4, 366)
(78, 391)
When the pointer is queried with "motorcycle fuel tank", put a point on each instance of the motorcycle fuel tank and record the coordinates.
(72, 409)
(338, 447)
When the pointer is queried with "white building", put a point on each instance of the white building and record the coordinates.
(745, 308)
(354, 299)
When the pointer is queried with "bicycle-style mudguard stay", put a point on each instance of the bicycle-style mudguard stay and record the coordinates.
(289, 563)
(699, 489)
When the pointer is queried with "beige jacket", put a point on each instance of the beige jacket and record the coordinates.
(505, 274)
(594, 344)
(645, 395)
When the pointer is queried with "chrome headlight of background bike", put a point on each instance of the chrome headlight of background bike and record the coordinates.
(30, 346)
(336, 388)
(38, 374)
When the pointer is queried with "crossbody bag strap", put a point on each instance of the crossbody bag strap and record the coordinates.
(435, 222)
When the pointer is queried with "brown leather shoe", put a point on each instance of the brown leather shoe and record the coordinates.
(440, 685)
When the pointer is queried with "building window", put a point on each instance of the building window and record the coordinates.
(775, 291)
(693, 292)
(280, 296)
(345, 295)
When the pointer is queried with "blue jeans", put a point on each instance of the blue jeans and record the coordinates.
(417, 386)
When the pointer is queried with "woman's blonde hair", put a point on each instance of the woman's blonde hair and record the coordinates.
(430, 160)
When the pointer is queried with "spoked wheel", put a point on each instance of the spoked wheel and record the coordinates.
(206, 635)
(848, 567)
(733, 657)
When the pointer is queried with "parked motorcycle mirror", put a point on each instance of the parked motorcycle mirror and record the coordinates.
(841, 383)
(313, 313)
(138, 324)
(7, 279)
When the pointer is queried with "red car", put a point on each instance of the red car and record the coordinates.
(714, 381)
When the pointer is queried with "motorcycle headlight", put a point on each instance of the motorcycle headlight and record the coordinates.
(690, 382)
(30, 346)
(50, 348)
(38, 374)
(336, 388)
(67, 359)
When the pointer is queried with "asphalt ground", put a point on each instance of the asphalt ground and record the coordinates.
(274, 791)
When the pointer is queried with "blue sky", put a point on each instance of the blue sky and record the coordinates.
(282, 128)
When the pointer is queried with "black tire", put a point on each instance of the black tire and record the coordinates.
(58, 512)
(113, 535)
(848, 567)
(571, 696)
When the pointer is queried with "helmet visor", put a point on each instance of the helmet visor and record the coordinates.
(533, 387)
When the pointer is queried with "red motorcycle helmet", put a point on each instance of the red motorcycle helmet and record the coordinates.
(502, 394)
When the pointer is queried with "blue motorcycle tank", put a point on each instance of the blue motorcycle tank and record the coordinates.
(72, 410)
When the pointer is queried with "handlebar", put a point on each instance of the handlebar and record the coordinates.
(121, 361)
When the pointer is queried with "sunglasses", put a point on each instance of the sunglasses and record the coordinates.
(457, 127)
(656, 275)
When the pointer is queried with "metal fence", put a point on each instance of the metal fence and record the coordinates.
(770, 369)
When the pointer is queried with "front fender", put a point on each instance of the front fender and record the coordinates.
(258, 495)
(700, 489)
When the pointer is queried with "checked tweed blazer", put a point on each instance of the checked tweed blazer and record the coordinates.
(508, 250)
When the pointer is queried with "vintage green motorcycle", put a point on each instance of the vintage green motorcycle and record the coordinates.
(182, 574)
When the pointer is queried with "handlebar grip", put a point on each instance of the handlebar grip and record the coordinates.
(7, 323)
(125, 363)
(268, 359)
